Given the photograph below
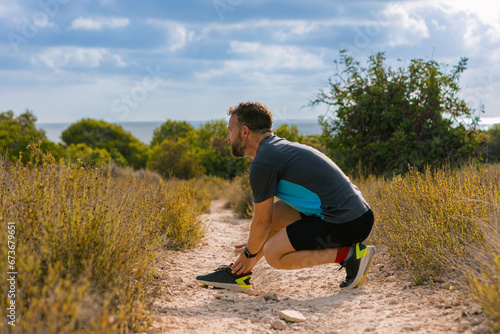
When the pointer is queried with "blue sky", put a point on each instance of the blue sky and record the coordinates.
(149, 60)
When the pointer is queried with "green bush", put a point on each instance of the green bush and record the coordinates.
(382, 120)
(202, 151)
(289, 132)
(174, 158)
(492, 144)
(83, 155)
(18, 133)
(214, 152)
(121, 144)
(171, 130)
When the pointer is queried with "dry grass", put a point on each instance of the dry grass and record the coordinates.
(443, 222)
(85, 239)
(482, 268)
(239, 195)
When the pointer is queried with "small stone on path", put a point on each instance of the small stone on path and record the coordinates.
(292, 316)
(270, 296)
(279, 324)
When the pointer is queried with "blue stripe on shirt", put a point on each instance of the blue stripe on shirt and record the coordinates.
(300, 198)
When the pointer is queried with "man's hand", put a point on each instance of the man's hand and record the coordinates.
(259, 230)
(243, 265)
(238, 249)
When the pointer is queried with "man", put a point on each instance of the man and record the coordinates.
(320, 218)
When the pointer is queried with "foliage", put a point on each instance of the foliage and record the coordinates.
(170, 130)
(427, 217)
(492, 147)
(204, 150)
(289, 132)
(174, 158)
(121, 144)
(443, 222)
(484, 274)
(385, 120)
(83, 155)
(240, 196)
(85, 239)
(214, 151)
(17, 133)
(314, 141)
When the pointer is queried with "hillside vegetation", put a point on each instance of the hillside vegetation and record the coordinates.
(443, 222)
(85, 240)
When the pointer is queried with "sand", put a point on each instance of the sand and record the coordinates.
(388, 302)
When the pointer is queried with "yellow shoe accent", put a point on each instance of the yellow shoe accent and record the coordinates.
(360, 253)
(241, 282)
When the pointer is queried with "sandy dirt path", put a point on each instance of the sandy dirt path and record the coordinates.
(387, 303)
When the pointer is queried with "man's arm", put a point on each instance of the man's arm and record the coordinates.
(259, 230)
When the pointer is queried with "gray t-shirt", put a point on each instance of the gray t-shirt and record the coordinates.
(305, 179)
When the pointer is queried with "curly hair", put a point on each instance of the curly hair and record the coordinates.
(254, 115)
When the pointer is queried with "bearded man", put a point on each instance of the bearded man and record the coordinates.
(320, 216)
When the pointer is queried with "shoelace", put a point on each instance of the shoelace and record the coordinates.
(342, 264)
(224, 267)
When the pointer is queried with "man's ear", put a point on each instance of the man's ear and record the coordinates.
(245, 131)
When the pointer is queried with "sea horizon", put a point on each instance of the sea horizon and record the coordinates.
(144, 130)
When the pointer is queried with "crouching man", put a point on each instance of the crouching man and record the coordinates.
(320, 218)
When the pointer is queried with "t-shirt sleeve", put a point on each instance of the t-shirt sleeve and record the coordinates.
(263, 181)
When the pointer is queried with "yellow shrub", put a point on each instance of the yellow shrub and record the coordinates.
(433, 221)
(240, 197)
(486, 289)
(84, 244)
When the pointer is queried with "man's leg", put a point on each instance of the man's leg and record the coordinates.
(357, 259)
(280, 254)
(283, 215)
(278, 250)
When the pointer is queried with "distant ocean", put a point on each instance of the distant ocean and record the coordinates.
(144, 130)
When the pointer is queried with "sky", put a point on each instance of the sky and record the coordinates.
(129, 61)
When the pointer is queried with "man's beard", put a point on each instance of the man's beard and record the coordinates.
(237, 148)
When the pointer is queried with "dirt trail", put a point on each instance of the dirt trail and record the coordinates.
(387, 303)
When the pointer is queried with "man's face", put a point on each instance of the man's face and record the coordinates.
(234, 137)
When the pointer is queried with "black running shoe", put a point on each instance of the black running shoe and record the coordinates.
(357, 266)
(223, 278)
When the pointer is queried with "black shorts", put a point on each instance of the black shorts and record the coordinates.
(313, 233)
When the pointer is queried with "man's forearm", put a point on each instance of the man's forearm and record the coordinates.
(257, 236)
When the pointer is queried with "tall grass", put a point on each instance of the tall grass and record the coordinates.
(85, 239)
(482, 269)
(443, 221)
(240, 198)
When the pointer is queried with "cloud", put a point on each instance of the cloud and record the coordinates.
(85, 23)
(404, 25)
(177, 34)
(7, 11)
(261, 62)
(272, 57)
(77, 57)
(482, 20)
(487, 11)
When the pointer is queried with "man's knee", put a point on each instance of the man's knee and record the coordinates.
(272, 256)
